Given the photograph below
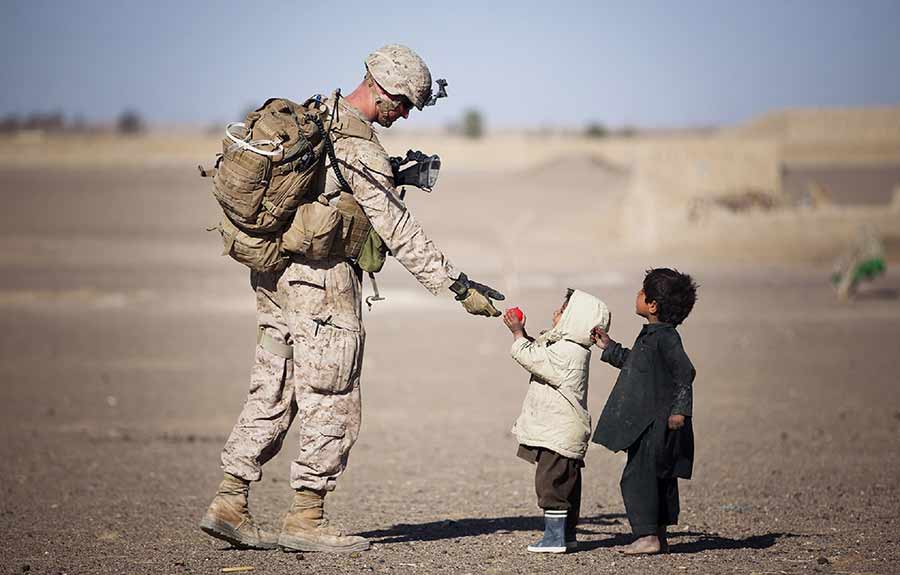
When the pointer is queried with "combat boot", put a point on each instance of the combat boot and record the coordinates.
(306, 528)
(229, 519)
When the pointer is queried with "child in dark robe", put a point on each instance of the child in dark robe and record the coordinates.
(648, 413)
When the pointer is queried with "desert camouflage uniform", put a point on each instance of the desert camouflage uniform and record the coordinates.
(316, 308)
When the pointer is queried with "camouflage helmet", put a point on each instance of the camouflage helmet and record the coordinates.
(400, 71)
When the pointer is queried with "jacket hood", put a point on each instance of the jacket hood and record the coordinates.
(582, 314)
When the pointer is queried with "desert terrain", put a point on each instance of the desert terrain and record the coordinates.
(127, 341)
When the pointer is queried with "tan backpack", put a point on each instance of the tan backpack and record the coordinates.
(269, 163)
(269, 182)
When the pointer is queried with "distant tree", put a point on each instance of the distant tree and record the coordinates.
(472, 124)
(10, 123)
(596, 130)
(130, 123)
(46, 122)
(78, 124)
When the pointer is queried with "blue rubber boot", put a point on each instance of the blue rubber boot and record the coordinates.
(554, 539)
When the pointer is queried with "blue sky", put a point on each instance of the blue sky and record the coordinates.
(525, 63)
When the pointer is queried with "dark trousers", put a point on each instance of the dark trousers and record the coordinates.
(557, 482)
(650, 501)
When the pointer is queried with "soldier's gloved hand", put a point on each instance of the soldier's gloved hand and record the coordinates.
(475, 297)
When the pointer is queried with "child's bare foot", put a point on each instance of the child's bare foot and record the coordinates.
(647, 545)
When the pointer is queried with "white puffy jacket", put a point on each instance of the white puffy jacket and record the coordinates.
(554, 414)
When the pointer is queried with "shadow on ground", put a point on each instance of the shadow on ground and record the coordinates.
(882, 293)
(702, 541)
(450, 529)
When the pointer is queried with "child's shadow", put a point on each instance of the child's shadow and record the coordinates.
(454, 529)
(703, 542)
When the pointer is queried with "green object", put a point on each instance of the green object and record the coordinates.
(864, 271)
(869, 269)
(373, 253)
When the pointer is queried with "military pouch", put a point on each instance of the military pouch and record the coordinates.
(373, 253)
(358, 239)
(313, 232)
(337, 359)
(261, 253)
(355, 227)
(240, 182)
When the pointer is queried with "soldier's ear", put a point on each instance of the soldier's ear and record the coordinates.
(652, 307)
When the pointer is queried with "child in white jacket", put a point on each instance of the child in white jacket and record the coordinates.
(554, 427)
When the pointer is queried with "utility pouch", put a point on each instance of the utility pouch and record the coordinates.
(356, 228)
(241, 180)
(260, 253)
(359, 241)
(313, 232)
(373, 253)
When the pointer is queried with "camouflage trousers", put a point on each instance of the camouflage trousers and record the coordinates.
(312, 312)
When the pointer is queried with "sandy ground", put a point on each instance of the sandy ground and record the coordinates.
(126, 345)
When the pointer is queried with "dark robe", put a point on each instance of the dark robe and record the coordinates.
(655, 382)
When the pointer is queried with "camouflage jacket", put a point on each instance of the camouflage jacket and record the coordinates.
(364, 163)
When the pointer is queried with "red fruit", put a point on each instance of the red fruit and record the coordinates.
(518, 313)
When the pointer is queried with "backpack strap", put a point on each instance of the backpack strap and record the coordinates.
(228, 238)
(349, 126)
(329, 149)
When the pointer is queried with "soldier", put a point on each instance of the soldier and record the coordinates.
(311, 335)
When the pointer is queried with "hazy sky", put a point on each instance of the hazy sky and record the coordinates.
(524, 63)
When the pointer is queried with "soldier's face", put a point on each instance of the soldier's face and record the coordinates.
(391, 107)
(403, 107)
(398, 108)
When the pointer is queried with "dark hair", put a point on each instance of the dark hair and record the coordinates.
(673, 292)
(569, 292)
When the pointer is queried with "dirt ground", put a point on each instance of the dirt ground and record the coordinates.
(126, 345)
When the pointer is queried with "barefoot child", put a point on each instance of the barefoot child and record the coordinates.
(648, 412)
(554, 426)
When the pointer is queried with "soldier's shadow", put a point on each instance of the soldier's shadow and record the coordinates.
(588, 538)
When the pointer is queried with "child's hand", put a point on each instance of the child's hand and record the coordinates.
(512, 321)
(676, 422)
(599, 337)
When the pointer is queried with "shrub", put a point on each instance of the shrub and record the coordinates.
(472, 124)
(130, 122)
